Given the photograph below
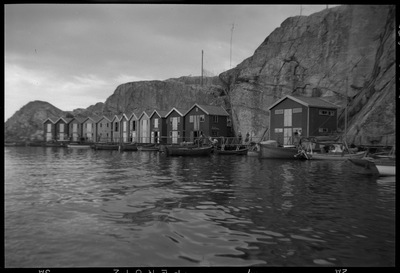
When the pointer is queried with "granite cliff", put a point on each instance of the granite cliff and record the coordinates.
(345, 55)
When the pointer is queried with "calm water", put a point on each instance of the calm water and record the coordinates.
(86, 208)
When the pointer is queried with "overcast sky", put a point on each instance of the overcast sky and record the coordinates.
(74, 56)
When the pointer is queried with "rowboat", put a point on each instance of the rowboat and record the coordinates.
(173, 150)
(105, 146)
(79, 146)
(242, 151)
(270, 149)
(129, 147)
(150, 148)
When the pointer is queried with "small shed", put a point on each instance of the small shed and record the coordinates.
(61, 128)
(308, 116)
(175, 125)
(133, 128)
(208, 120)
(103, 129)
(144, 127)
(158, 127)
(75, 129)
(49, 129)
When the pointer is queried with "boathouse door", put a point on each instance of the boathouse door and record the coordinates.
(175, 135)
(89, 131)
(48, 134)
(74, 132)
(124, 133)
(61, 131)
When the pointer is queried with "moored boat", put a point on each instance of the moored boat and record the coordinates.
(337, 156)
(129, 147)
(242, 151)
(386, 167)
(105, 146)
(270, 149)
(78, 145)
(149, 147)
(175, 150)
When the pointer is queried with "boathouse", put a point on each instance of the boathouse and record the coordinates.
(308, 116)
(89, 128)
(75, 129)
(175, 125)
(124, 128)
(144, 127)
(103, 129)
(133, 128)
(115, 129)
(61, 129)
(49, 129)
(207, 120)
(158, 127)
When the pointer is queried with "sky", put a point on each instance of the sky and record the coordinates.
(76, 55)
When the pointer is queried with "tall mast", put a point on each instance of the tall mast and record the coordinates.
(230, 56)
(202, 67)
(345, 110)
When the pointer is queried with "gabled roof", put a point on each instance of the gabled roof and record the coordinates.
(148, 114)
(66, 120)
(51, 119)
(117, 117)
(104, 117)
(210, 110)
(160, 113)
(306, 101)
(94, 118)
(80, 120)
(180, 111)
(124, 116)
(132, 115)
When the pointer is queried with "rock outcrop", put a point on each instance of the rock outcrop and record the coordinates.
(27, 123)
(343, 54)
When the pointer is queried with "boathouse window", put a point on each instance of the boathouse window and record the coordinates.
(278, 111)
(202, 118)
(228, 122)
(116, 127)
(287, 117)
(190, 119)
(214, 133)
(297, 110)
(323, 130)
(215, 119)
(278, 130)
(326, 112)
(156, 123)
(133, 125)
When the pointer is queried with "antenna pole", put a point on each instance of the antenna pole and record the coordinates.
(230, 57)
(202, 67)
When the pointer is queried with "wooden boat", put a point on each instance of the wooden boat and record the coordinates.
(175, 150)
(242, 151)
(337, 156)
(129, 147)
(78, 145)
(270, 149)
(386, 166)
(105, 146)
(149, 147)
(381, 166)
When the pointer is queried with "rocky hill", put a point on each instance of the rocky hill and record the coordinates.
(345, 55)
(27, 123)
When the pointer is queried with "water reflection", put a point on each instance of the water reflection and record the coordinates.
(68, 207)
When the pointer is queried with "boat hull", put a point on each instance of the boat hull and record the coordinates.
(232, 152)
(386, 167)
(273, 152)
(79, 146)
(105, 146)
(337, 156)
(129, 147)
(187, 151)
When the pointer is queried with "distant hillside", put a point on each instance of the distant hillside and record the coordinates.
(27, 123)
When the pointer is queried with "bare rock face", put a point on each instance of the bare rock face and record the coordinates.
(163, 95)
(343, 54)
